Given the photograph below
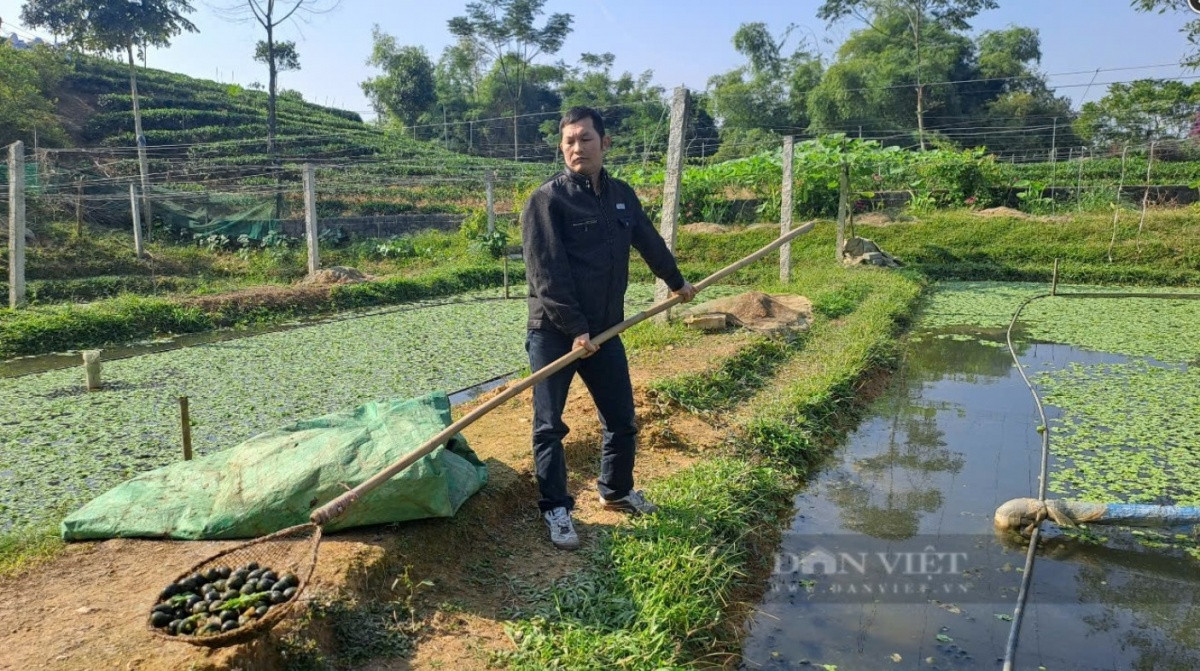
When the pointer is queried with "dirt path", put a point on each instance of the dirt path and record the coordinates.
(86, 608)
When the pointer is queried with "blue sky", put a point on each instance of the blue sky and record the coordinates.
(682, 42)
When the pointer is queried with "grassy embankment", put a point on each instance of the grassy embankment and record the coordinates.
(665, 591)
(195, 290)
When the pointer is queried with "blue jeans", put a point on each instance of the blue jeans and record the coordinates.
(606, 374)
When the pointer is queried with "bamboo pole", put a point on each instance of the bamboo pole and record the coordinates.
(785, 207)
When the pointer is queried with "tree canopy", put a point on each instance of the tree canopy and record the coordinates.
(111, 25)
(1140, 111)
(405, 90)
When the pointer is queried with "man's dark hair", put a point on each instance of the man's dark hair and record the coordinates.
(579, 113)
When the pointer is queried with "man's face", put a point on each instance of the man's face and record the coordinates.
(583, 148)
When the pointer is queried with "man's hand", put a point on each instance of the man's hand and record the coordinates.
(585, 341)
(687, 291)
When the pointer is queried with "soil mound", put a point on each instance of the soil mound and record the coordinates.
(753, 310)
(335, 275)
(880, 219)
(235, 303)
(1001, 212)
(704, 228)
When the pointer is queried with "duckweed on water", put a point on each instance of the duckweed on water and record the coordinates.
(1130, 432)
(1159, 328)
(61, 445)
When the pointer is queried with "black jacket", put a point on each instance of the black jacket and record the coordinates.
(577, 252)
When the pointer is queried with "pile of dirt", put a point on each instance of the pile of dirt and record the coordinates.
(227, 307)
(755, 311)
(880, 219)
(335, 275)
(1002, 212)
(704, 227)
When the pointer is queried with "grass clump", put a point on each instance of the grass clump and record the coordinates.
(24, 546)
(656, 597)
(653, 335)
(735, 379)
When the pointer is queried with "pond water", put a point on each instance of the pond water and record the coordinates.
(40, 363)
(891, 562)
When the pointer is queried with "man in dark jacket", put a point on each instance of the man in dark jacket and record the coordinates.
(577, 230)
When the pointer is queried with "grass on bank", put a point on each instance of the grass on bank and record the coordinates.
(24, 547)
(960, 244)
(128, 318)
(660, 591)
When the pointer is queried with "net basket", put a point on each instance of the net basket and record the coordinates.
(292, 550)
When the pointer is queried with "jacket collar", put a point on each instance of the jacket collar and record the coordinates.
(584, 180)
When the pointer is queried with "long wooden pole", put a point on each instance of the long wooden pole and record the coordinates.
(338, 506)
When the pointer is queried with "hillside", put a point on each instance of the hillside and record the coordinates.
(179, 111)
(208, 137)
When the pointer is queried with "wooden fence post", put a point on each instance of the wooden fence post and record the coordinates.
(672, 180)
(16, 224)
(137, 220)
(843, 214)
(491, 203)
(91, 370)
(310, 218)
(185, 421)
(785, 208)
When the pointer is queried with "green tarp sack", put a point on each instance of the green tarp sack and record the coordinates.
(276, 479)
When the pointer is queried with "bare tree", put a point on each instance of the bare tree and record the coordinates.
(279, 56)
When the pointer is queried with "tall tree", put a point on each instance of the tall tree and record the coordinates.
(634, 113)
(505, 31)
(115, 25)
(764, 96)
(279, 56)
(1011, 97)
(1190, 29)
(952, 14)
(1139, 112)
(869, 85)
(406, 88)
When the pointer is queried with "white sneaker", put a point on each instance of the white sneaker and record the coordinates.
(562, 529)
(634, 503)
